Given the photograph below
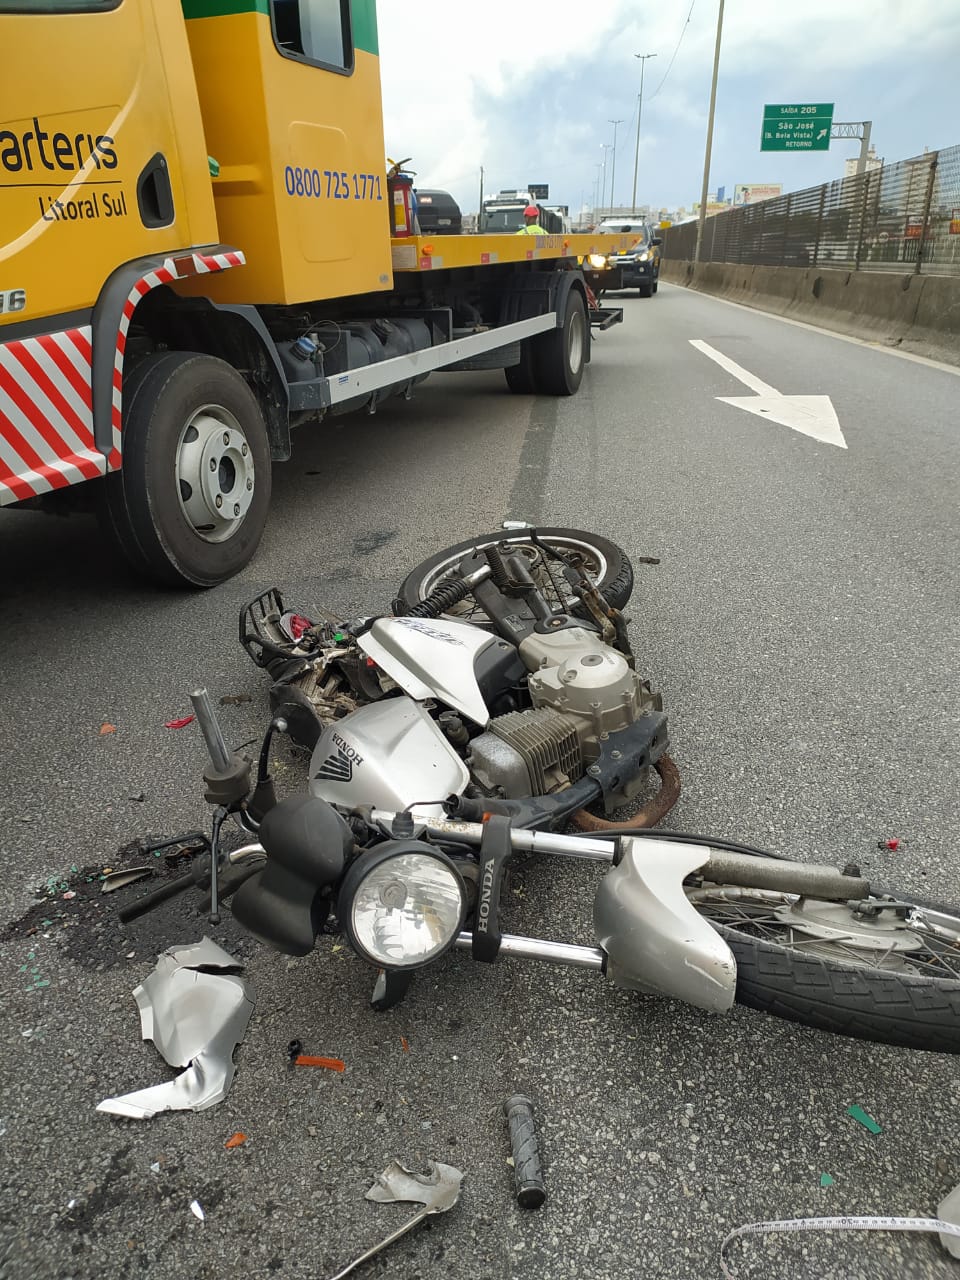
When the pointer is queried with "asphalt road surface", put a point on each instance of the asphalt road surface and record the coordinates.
(802, 625)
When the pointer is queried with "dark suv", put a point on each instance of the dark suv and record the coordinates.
(640, 264)
(438, 213)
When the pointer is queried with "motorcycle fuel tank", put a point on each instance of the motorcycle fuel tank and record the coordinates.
(389, 754)
(431, 658)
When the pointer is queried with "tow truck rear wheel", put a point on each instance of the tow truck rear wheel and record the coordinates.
(521, 378)
(189, 504)
(560, 355)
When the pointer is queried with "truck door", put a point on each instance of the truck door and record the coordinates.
(102, 155)
(290, 96)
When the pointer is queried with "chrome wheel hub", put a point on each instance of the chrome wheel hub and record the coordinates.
(215, 473)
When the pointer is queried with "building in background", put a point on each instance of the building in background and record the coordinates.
(873, 162)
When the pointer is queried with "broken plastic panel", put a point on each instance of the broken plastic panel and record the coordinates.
(195, 1007)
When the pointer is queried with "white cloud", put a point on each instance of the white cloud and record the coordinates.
(466, 86)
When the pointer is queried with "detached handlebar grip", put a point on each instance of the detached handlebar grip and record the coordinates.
(528, 1173)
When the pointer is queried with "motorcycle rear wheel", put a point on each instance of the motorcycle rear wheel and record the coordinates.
(891, 980)
(606, 564)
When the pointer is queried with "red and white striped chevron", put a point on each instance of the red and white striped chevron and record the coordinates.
(46, 403)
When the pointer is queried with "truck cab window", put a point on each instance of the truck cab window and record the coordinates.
(316, 31)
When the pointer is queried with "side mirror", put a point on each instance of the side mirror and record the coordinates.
(657, 240)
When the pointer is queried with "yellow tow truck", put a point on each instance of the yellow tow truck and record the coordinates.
(197, 254)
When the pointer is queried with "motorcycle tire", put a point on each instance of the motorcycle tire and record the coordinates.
(907, 997)
(607, 564)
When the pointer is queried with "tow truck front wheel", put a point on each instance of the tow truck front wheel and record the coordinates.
(189, 504)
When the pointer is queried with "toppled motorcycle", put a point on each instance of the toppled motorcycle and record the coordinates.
(504, 674)
(436, 740)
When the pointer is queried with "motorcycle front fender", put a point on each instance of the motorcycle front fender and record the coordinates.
(653, 938)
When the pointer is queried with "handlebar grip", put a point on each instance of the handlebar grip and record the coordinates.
(210, 728)
(151, 900)
(528, 1173)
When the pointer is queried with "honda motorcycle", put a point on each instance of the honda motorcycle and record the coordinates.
(419, 797)
(503, 671)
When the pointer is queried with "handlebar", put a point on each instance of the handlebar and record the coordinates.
(212, 734)
(199, 877)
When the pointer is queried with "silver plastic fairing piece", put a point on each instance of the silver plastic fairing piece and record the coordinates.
(389, 754)
(431, 658)
(654, 939)
(195, 1008)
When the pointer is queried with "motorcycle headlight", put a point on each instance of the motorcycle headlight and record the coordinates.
(401, 904)
(597, 261)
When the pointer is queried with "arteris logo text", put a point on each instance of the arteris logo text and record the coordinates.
(36, 150)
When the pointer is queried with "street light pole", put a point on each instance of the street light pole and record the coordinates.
(706, 159)
(636, 158)
(613, 170)
(604, 147)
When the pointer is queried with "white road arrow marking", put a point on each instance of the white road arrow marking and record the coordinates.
(812, 415)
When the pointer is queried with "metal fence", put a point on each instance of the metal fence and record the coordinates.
(900, 217)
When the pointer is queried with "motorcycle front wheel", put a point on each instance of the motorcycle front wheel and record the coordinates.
(606, 564)
(891, 977)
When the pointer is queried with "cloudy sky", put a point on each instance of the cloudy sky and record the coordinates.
(528, 91)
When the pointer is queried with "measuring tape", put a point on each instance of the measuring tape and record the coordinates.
(932, 1225)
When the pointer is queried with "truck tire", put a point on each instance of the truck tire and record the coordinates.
(189, 505)
(521, 378)
(559, 356)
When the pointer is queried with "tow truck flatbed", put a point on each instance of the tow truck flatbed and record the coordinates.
(437, 253)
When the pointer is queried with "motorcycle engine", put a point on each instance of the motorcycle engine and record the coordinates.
(582, 691)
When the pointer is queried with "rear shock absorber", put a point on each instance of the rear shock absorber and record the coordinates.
(498, 570)
(440, 599)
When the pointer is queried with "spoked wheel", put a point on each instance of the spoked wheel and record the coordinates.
(885, 970)
(606, 564)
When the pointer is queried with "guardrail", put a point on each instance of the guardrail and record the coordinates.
(903, 217)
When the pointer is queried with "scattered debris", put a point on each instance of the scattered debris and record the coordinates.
(405, 1044)
(308, 1060)
(179, 724)
(196, 1210)
(437, 1190)
(155, 1167)
(236, 1140)
(945, 1229)
(71, 893)
(826, 1180)
(113, 880)
(893, 843)
(861, 1117)
(528, 1173)
(294, 1050)
(195, 1008)
(107, 728)
(138, 796)
(235, 699)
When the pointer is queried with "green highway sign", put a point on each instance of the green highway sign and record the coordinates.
(798, 126)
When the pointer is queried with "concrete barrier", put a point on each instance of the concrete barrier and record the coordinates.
(920, 313)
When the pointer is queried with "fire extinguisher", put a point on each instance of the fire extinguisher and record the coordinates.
(403, 202)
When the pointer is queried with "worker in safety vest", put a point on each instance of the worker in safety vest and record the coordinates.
(532, 226)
